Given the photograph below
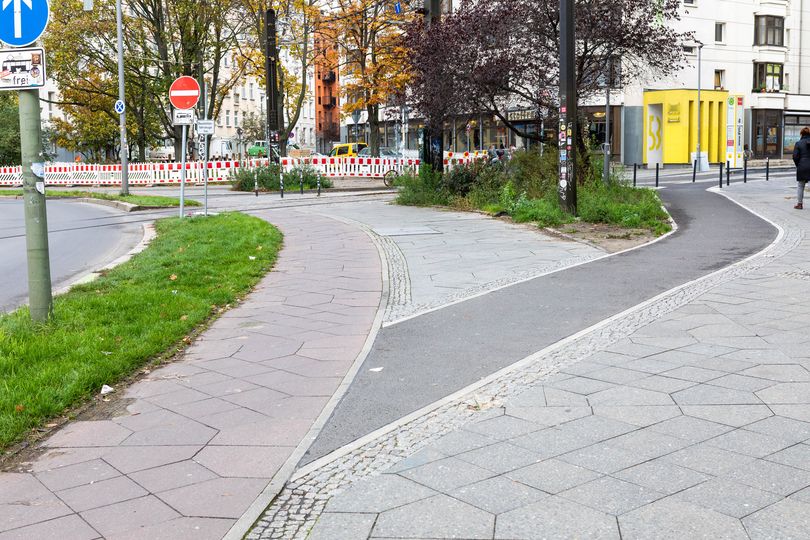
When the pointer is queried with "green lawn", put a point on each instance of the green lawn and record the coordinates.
(105, 330)
(154, 201)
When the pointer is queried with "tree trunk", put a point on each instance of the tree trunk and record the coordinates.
(374, 128)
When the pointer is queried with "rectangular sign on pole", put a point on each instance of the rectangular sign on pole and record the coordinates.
(22, 69)
(205, 127)
(183, 117)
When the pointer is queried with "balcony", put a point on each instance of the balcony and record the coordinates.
(329, 77)
(329, 102)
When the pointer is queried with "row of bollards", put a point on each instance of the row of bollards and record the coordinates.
(723, 167)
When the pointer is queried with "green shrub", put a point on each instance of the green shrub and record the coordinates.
(422, 189)
(545, 212)
(462, 178)
(622, 205)
(534, 173)
(268, 179)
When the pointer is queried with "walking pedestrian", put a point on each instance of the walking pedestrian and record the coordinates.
(801, 157)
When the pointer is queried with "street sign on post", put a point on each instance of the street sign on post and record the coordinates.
(205, 127)
(183, 117)
(120, 107)
(23, 21)
(184, 93)
(22, 69)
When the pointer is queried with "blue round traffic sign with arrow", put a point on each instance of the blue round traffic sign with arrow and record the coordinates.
(22, 21)
(119, 107)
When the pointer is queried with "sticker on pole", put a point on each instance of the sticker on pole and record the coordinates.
(23, 21)
(22, 69)
(120, 107)
(183, 117)
(184, 93)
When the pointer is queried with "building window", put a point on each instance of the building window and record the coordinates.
(227, 118)
(720, 32)
(767, 77)
(689, 2)
(767, 133)
(689, 49)
(235, 118)
(251, 91)
(769, 30)
(719, 79)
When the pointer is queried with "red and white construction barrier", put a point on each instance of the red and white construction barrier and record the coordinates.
(148, 174)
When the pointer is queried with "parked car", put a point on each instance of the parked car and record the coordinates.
(258, 149)
(347, 150)
(385, 152)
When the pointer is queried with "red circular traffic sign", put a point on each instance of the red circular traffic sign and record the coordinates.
(184, 92)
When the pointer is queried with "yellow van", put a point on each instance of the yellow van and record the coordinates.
(347, 150)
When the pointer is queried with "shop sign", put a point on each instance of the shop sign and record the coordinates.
(521, 116)
(673, 113)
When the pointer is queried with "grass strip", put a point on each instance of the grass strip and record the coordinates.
(153, 201)
(104, 331)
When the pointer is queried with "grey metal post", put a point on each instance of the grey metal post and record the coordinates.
(205, 142)
(36, 219)
(606, 171)
(728, 173)
(183, 170)
(657, 167)
(122, 97)
(699, 116)
(567, 181)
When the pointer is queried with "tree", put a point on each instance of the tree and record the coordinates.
(163, 39)
(253, 127)
(490, 56)
(374, 56)
(295, 31)
(9, 129)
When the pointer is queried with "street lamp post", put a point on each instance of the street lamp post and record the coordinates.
(698, 156)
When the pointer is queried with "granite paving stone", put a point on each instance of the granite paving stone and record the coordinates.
(785, 519)
(671, 519)
(70, 527)
(342, 526)
(729, 498)
(660, 476)
(446, 474)
(498, 495)
(101, 493)
(611, 495)
(769, 476)
(378, 494)
(556, 517)
(172, 476)
(797, 456)
(129, 515)
(437, 517)
(552, 476)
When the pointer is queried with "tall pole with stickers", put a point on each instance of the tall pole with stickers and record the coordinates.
(567, 132)
(23, 70)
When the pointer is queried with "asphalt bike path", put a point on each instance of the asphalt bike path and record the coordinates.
(434, 355)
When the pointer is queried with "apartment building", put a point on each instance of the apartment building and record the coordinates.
(755, 81)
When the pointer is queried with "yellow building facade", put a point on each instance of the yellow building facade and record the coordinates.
(670, 126)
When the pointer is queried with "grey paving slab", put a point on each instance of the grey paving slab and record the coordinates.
(101, 493)
(769, 476)
(378, 494)
(555, 517)
(785, 519)
(342, 526)
(447, 474)
(671, 519)
(708, 459)
(611, 495)
(553, 476)
(70, 527)
(498, 495)
(500, 457)
(662, 477)
(129, 515)
(729, 498)
(437, 517)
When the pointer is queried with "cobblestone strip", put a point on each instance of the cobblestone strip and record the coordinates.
(298, 507)
(399, 278)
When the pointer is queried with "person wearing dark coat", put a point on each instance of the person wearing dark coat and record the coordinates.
(801, 157)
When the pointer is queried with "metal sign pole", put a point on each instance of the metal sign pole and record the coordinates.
(567, 188)
(183, 171)
(122, 98)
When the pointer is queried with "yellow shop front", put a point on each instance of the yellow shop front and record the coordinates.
(670, 126)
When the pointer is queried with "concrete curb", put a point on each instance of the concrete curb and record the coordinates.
(254, 512)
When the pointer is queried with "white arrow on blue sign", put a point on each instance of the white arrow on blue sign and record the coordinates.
(398, 8)
(23, 21)
(119, 107)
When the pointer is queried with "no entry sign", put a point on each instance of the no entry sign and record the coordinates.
(184, 93)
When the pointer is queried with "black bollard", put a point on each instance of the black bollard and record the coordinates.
(728, 174)
(656, 174)
(319, 185)
(745, 170)
(767, 169)
(694, 170)
(721, 175)
(635, 171)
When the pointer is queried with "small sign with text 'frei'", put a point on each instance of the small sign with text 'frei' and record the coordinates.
(183, 117)
(22, 69)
